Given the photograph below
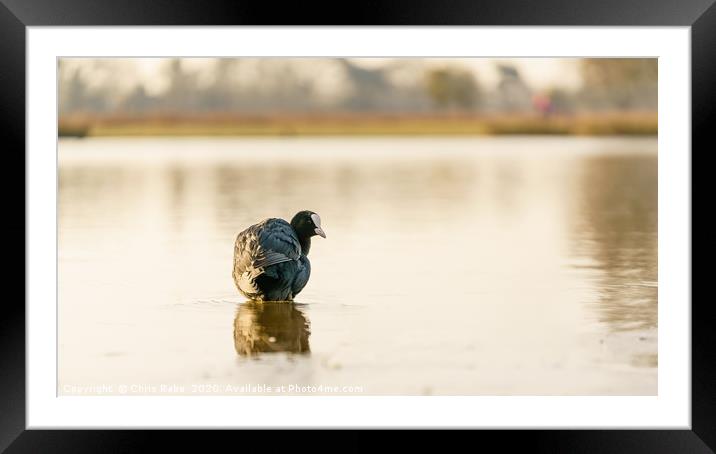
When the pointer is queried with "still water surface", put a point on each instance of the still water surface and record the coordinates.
(453, 266)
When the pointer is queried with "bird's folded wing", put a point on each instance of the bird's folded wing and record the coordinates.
(267, 243)
(268, 258)
(277, 236)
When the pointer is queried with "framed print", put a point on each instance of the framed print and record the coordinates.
(390, 224)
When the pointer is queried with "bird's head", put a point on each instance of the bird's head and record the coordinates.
(307, 224)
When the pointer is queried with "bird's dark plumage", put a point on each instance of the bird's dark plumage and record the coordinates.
(270, 258)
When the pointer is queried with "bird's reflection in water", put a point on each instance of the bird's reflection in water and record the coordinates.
(270, 327)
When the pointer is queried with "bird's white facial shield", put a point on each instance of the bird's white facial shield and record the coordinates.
(317, 221)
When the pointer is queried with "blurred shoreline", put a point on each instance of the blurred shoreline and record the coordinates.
(231, 124)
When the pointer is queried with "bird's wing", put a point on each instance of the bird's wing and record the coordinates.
(264, 244)
(268, 258)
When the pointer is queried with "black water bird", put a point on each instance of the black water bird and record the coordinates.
(270, 258)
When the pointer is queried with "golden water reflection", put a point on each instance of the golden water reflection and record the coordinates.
(616, 227)
(270, 328)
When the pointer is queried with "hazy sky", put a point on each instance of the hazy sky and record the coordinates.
(540, 73)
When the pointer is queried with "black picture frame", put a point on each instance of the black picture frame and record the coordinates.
(16, 15)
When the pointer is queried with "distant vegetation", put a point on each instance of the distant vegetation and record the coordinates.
(452, 88)
(618, 96)
(630, 123)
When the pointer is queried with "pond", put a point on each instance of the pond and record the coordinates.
(452, 266)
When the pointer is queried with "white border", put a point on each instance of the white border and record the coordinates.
(670, 409)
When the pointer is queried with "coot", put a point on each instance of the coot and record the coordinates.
(270, 258)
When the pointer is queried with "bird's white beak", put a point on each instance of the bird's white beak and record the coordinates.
(317, 222)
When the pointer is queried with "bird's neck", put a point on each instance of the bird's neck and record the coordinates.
(304, 233)
(305, 244)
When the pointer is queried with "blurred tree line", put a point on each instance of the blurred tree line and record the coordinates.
(340, 85)
(621, 83)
